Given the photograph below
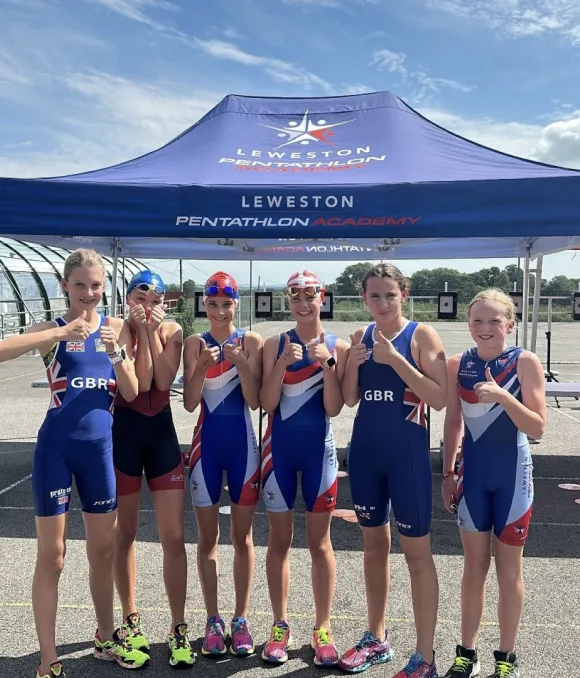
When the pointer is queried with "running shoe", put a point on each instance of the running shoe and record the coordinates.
(325, 652)
(117, 650)
(506, 665)
(56, 671)
(131, 631)
(242, 642)
(366, 653)
(181, 654)
(466, 664)
(417, 667)
(214, 642)
(276, 649)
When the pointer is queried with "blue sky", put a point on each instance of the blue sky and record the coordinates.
(87, 83)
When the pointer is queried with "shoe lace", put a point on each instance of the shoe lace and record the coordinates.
(278, 633)
(324, 637)
(414, 663)
(180, 641)
(460, 664)
(503, 670)
(365, 641)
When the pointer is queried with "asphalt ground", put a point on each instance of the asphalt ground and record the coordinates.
(551, 620)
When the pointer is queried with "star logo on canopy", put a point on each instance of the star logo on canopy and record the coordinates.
(306, 131)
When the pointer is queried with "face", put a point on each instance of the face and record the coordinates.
(488, 324)
(146, 299)
(85, 287)
(384, 297)
(305, 308)
(220, 311)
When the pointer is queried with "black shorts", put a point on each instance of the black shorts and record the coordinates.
(149, 444)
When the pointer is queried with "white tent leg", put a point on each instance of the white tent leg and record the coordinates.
(113, 301)
(536, 309)
(526, 300)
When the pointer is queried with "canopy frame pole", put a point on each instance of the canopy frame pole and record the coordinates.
(113, 305)
(526, 299)
(536, 309)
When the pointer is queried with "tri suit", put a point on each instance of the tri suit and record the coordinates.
(75, 437)
(145, 441)
(495, 486)
(224, 439)
(299, 439)
(389, 462)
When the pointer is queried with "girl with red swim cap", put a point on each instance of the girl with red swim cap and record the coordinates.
(145, 442)
(301, 391)
(222, 372)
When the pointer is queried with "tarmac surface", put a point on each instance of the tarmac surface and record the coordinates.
(551, 620)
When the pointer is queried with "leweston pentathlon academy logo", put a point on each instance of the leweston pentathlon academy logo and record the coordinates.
(306, 131)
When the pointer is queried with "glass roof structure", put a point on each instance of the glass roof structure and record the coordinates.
(30, 289)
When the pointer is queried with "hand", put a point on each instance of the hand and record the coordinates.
(357, 353)
(137, 314)
(207, 356)
(488, 391)
(291, 353)
(317, 349)
(156, 316)
(449, 494)
(383, 351)
(78, 329)
(108, 336)
(234, 353)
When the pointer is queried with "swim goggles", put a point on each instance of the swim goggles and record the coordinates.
(310, 291)
(146, 287)
(228, 290)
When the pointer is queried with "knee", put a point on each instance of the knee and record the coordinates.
(419, 561)
(508, 575)
(207, 541)
(125, 535)
(280, 542)
(476, 565)
(173, 542)
(51, 559)
(377, 546)
(320, 548)
(242, 541)
(101, 555)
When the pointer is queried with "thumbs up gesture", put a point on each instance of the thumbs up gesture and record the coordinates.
(78, 329)
(318, 350)
(291, 353)
(156, 316)
(488, 391)
(207, 356)
(108, 336)
(357, 353)
(234, 353)
(383, 351)
(137, 314)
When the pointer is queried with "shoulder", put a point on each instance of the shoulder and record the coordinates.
(116, 323)
(341, 345)
(252, 339)
(41, 326)
(453, 363)
(273, 341)
(426, 335)
(360, 332)
(530, 362)
(169, 328)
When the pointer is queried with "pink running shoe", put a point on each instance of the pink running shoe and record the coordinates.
(214, 642)
(242, 642)
(417, 668)
(325, 652)
(276, 649)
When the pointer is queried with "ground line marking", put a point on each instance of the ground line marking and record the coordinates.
(18, 482)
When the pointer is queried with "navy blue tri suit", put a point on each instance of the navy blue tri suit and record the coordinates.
(389, 453)
(75, 437)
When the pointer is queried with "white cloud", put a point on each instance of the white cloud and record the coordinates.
(313, 3)
(277, 69)
(518, 18)
(559, 143)
(422, 85)
(134, 9)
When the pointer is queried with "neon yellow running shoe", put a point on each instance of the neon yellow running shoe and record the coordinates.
(56, 671)
(133, 634)
(117, 650)
(181, 654)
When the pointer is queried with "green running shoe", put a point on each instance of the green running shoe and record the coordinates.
(117, 650)
(181, 654)
(56, 671)
(133, 634)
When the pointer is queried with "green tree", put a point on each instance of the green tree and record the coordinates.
(172, 287)
(349, 282)
(189, 288)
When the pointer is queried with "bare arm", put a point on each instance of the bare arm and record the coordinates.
(453, 426)
(197, 358)
(166, 359)
(274, 369)
(39, 337)
(333, 376)
(143, 360)
(354, 358)
(125, 370)
(248, 361)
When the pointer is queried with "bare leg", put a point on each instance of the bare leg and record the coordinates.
(125, 551)
(477, 556)
(377, 545)
(207, 560)
(323, 566)
(425, 591)
(100, 531)
(244, 558)
(51, 547)
(508, 563)
(277, 562)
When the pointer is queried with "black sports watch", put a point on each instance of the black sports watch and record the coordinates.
(331, 362)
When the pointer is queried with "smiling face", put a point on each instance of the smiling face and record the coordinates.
(220, 311)
(85, 286)
(384, 297)
(146, 299)
(305, 308)
(489, 324)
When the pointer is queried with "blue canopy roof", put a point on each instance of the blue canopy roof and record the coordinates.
(333, 169)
